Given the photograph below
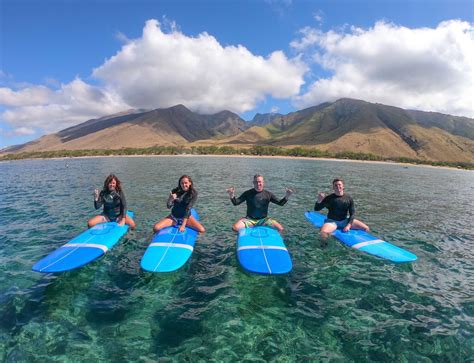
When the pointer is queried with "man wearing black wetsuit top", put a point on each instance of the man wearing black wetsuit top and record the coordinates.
(339, 205)
(257, 200)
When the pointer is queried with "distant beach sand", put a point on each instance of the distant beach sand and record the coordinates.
(254, 157)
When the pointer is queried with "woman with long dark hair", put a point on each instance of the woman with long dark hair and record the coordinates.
(181, 200)
(114, 202)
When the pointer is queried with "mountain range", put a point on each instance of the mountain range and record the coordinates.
(340, 126)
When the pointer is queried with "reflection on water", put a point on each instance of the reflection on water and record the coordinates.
(336, 304)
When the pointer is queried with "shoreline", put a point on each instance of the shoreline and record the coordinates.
(251, 157)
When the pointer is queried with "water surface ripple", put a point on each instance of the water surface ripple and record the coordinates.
(336, 305)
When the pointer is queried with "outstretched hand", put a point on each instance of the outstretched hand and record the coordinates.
(231, 192)
(288, 192)
(321, 196)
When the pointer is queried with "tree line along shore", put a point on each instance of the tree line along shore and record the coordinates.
(229, 150)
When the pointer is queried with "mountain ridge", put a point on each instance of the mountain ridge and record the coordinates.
(343, 125)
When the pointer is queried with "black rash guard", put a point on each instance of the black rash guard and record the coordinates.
(115, 204)
(338, 207)
(257, 202)
(181, 206)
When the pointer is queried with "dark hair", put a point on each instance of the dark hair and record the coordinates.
(337, 180)
(257, 176)
(111, 177)
(179, 190)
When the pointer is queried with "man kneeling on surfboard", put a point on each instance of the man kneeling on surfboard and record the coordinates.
(257, 200)
(339, 205)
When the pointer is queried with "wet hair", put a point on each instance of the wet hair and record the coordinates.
(180, 190)
(111, 177)
(337, 180)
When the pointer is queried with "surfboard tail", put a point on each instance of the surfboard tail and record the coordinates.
(69, 257)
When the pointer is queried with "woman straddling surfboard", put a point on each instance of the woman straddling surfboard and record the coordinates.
(339, 205)
(257, 200)
(112, 198)
(181, 200)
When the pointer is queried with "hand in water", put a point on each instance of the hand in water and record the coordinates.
(231, 192)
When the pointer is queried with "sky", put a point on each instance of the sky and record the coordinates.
(63, 62)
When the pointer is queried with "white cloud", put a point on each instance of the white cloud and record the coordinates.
(158, 70)
(28, 96)
(48, 110)
(164, 69)
(24, 131)
(424, 68)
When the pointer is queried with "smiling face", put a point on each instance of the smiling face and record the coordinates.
(185, 184)
(258, 183)
(112, 185)
(338, 187)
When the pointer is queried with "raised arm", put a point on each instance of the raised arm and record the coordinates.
(233, 199)
(283, 200)
(98, 200)
(171, 198)
(320, 201)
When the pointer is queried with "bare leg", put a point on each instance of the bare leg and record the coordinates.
(277, 226)
(130, 222)
(194, 224)
(326, 231)
(95, 220)
(166, 222)
(238, 225)
(356, 224)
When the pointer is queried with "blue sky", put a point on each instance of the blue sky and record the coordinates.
(64, 62)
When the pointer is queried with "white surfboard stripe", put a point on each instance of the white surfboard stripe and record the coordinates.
(169, 244)
(263, 250)
(262, 247)
(166, 252)
(367, 243)
(91, 245)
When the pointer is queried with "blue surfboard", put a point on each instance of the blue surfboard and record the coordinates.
(84, 248)
(261, 250)
(364, 241)
(170, 249)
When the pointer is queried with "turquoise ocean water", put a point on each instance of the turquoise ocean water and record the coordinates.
(336, 305)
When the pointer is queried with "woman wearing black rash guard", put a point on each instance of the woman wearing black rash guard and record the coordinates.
(181, 200)
(114, 202)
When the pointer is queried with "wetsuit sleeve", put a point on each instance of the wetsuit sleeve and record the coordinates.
(170, 202)
(319, 206)
(274, 199)
(190, 203)
(351, 211)
(98, 203)
(123, 205)
(239, 200)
